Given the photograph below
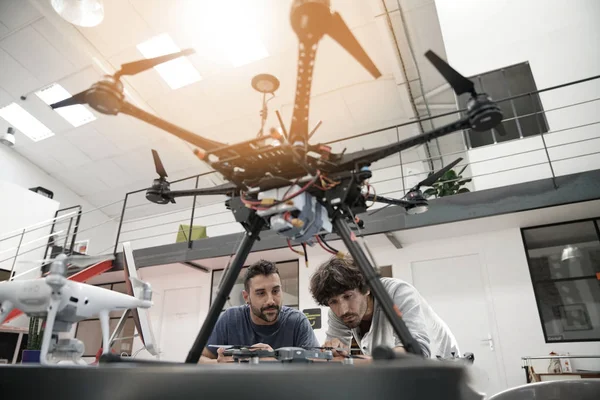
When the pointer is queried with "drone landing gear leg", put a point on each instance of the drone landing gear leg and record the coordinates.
(227, 284)
(49, 329)
(103, 315)
(343, 230)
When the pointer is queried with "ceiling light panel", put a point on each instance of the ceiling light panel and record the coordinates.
(26, 123)
(76, 115)
(178, 72)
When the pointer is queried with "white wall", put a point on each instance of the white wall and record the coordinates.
(13, 217)
(95, 225)
(559, 40)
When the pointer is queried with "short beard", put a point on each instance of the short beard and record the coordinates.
(260, 313)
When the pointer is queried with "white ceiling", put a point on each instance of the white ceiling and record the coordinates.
(110, 156)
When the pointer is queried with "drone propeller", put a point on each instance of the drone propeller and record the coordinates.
(131, 68)
(136, 67)
(160, 169)
(459, 83)
(339, 31)
(431, 179)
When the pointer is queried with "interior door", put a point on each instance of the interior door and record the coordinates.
(455, 289)
(180, 322)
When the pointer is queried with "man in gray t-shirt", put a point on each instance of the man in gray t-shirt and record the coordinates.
(353, 311)
(263, 322)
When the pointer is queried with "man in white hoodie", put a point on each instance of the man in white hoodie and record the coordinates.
(353, 311)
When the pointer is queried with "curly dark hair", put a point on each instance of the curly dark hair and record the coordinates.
(261, 267)
(334, 277)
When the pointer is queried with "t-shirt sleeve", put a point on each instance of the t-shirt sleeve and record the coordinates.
(219, 333)
(305, 334)
(407, 300)
(337, 330)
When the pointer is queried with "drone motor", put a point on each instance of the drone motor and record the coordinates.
(483, 113)
(156, 193)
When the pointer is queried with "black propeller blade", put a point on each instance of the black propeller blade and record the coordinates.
(431, 179)
(78, 98)
(459, 83)
(339, 31)
(160, 169)
(500, 129)
(136, 67)
(131, 68)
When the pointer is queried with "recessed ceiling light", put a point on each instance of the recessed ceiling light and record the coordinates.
(77, 114)
(178, 72)
(30, 126)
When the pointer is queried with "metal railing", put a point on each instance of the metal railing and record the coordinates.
(571, 144)
(571, 138)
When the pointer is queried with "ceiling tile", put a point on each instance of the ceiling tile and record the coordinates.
(46, 162)
(62, 44)
(5, 98)
(387, 102)
(64, 152)
(3, 29)
(16, 13)
(121, 28)
(138, 163)
(121, 131)
(110, 173)
(37, 55)
(91, 142)
(15, 79)
(110, 201)
(80, 181)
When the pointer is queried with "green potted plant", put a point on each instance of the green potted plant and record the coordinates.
(34, 340)
(448, 184)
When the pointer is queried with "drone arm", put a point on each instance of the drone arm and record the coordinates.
(387, 200)
(203, 143)
(224, 189)
(366, 157)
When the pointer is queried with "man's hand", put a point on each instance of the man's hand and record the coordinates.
(335, 343)
(260, 346)
(221, 358)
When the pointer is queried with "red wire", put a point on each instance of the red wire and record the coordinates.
(323, 245)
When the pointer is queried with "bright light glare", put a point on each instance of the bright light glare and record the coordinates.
(178, 72)
(76, 115)
(26, 123)
(230, 28)
(237, 35)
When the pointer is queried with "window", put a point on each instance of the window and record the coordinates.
(564, 263)
(90, 332)
(288, 271)
(523, 116)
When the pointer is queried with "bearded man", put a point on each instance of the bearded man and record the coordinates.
(263, 322)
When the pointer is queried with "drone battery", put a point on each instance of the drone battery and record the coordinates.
(309, 217)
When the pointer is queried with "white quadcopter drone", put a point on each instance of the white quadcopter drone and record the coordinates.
(64, 302)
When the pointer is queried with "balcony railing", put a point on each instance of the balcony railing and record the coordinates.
(571, 145)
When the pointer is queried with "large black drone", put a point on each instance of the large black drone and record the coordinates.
(288, 185)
